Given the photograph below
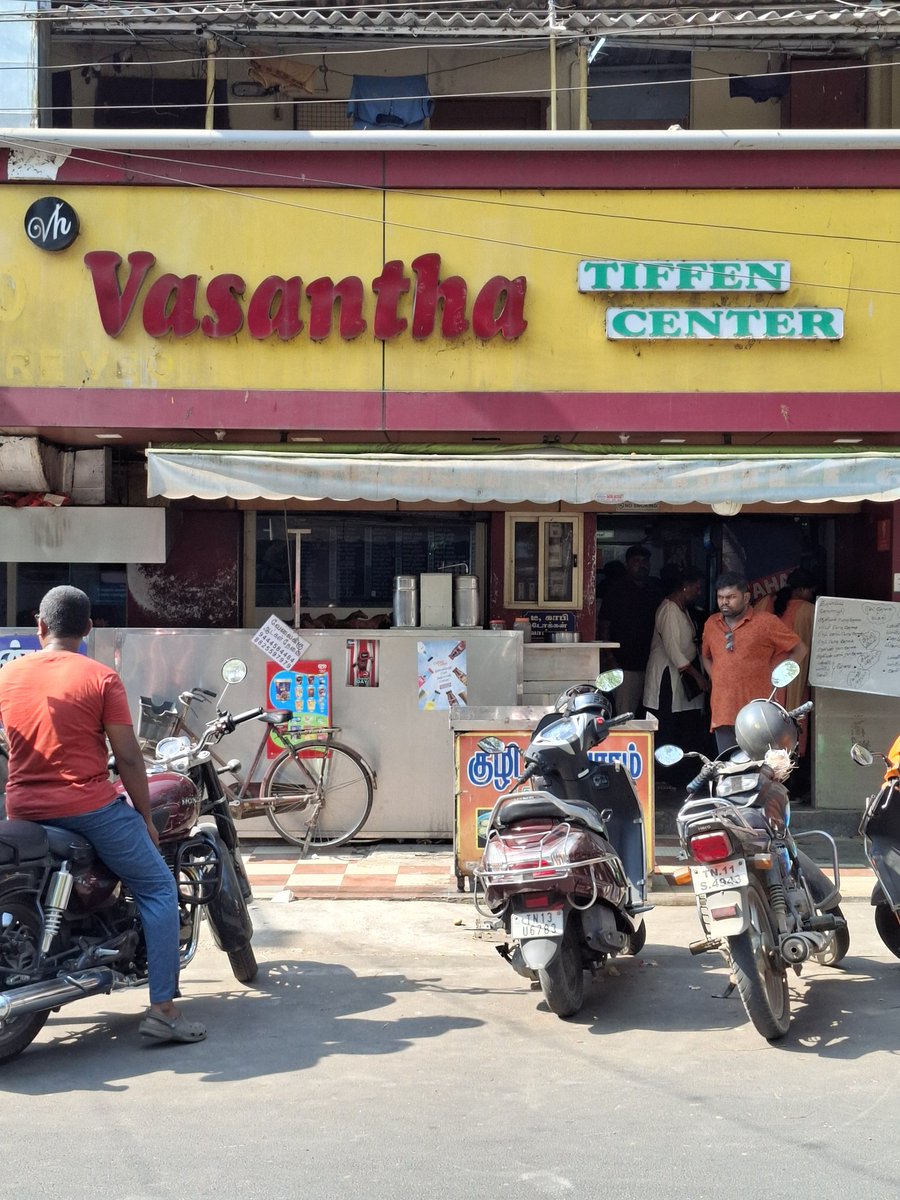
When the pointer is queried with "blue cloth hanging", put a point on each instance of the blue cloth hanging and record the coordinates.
(390, 102)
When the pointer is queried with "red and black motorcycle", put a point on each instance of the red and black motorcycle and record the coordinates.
(69, 928)
(564, 866)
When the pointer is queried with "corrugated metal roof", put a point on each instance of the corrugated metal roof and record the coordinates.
(625, 18)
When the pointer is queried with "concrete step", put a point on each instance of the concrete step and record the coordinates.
(839, 822)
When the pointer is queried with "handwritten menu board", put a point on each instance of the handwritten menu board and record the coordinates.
(856, 646)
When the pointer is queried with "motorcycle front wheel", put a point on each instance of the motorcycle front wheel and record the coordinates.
(20, 931)
(761, 979)
(888, 925)
(243, 964)
(562, 982)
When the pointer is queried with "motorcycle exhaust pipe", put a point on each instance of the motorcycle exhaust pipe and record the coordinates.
(797, 947)
(51, 993)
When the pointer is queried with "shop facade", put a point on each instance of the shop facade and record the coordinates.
(473, 355)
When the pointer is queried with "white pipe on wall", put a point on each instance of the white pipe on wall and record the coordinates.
(58, 141)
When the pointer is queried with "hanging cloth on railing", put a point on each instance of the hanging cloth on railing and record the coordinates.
(389, 102)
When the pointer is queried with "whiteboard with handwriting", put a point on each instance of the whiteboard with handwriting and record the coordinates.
(856, 646)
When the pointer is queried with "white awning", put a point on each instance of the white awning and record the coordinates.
(524, 476)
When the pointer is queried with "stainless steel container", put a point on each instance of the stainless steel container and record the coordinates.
(466, 601)
(406, 601)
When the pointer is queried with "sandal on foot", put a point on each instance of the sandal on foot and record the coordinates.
(160, 1029)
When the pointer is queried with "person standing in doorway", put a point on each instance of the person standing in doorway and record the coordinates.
(794, 606)
(740, 648)
(626, 616)
(675, 687)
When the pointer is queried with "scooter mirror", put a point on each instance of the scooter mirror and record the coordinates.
(234, 670)
(608, 681)
(491, 745)
(861, 756)
(668, 756)
(785, 673)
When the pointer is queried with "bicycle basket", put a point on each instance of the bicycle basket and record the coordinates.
(156, 721)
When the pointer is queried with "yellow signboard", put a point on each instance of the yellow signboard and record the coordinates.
(354, 290)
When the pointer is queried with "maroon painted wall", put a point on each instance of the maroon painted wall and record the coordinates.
(865, 562)
(199, 585)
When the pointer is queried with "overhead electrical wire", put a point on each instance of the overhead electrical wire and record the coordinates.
(312, 99)
(554, 210)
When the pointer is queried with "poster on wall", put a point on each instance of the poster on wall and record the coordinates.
(362, 662)
(443, 680)
(305, 691)
(18, 645)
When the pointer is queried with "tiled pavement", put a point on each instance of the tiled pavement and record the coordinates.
(423, 871)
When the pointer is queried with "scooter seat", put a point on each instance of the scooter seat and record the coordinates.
(542, 805)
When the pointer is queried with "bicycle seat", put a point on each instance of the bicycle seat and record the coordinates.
(280, 717)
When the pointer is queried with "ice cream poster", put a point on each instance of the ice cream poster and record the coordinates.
(443, 680)
(304, 692)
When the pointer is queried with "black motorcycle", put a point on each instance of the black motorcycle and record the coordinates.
(69, 929)
(762, 902)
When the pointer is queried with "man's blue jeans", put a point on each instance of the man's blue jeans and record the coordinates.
(119, 835)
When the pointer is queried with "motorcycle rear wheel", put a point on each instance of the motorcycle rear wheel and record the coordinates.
(20, 929)
(243, 964)
(888, 926)
(563, 981)
(761, 981)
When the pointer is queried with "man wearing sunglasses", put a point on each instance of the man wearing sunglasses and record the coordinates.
(740, 648)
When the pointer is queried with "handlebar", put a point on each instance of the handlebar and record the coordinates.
(250, 715)
(708, 771)
(797, 714)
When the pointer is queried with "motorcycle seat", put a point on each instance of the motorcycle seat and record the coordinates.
(543, 805)
(70, 846)
(22, 841)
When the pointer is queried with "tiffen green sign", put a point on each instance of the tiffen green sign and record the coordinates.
(694, 324)
(611, 275)
(801, 324)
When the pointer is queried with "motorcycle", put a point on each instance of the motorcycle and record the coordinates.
(68, 927)
(762, 901)
(563, 869)
(880, 829)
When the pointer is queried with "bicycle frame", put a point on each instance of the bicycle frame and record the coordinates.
(240, 799)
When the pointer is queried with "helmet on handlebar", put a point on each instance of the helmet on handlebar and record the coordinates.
(764, 725)
(584, 698)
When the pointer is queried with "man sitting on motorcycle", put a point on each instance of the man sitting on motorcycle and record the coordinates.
(58, 707)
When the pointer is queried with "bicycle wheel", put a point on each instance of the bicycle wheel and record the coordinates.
(317, 794)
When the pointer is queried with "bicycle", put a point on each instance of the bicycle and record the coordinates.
(317, 793)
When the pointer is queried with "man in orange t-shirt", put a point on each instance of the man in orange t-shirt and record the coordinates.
(740, 648)
(58, 708)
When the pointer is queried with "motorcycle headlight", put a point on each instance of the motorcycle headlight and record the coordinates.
(735, 785)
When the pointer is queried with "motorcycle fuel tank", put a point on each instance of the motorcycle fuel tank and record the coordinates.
(174, 803)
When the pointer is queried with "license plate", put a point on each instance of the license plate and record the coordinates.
(540, 923)
(715, 877)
